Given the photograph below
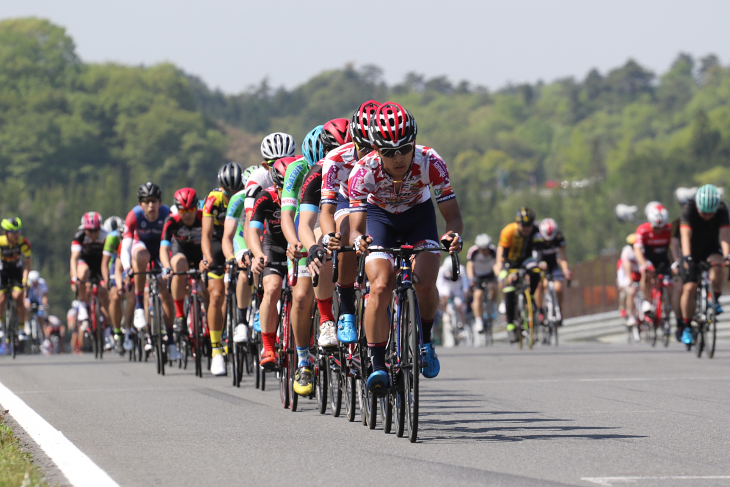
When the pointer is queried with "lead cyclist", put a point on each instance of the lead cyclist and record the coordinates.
(393, 185)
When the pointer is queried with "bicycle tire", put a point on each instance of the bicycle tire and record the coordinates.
(386, 413)
(322, 384)
(157, 335)
(350, 398)
(256, 365)
(99, 327)
(700, 340)
(402, 355)
(711, 330)
(231, 347)
(372, 410)
(11, 319)
(488, 307)
(198, 337)
(412, 379)
(334, 384)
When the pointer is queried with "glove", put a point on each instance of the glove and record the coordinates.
(315, 252)
(166, 271)
(446, 239)
(359, 240)
(326, 239)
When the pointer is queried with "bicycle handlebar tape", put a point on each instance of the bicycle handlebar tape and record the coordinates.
(361, 269)
(335, 266)
(455, 268)
(319, 255)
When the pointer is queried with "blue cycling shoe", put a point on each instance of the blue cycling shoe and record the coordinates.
(257, 323)
(431, 366)
(346, 332)
(377, 380)
(687, 336)
(718, 309)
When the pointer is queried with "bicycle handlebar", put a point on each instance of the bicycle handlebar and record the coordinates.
(335, 263)
(406, 251)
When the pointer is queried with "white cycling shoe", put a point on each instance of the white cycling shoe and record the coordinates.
(240, 334)
(218, 365)
(128, 344)
(140, 321)
(327, 335)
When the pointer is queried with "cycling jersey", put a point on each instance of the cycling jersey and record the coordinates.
(38, 291)
(482, 265)
(627, 255)
(216, 207)
(184, 239)
(259, 180)
(654, 243)
(448, 288)
(139, 229)
(293, 179)
(10, 254)
(548, 250)
(336, 168)
(311, 193)
(111, 246)
(517, 247)
(370, 184)
(267, 213)
(91, 249)
(705, 239)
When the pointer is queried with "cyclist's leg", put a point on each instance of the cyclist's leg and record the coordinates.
(426, 268)
(380, 272)
(509, 291)
(558, 279)
(302, 300)
(243, 288)
(19, 297)
(347, 269)
(477, 304)
(535, 276)
(716, 274)
(178, 288)
(140, 260)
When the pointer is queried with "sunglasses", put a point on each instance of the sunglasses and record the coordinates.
(363, 149)
(183, 211)
(403, 150)
(94, 230)
(149, 200)
(524, 224)
(14, 232)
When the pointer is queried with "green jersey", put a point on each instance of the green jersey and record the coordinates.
(293, 180)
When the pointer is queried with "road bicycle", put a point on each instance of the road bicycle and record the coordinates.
(11, 321)
(96, 324)
(36, 331)
(451, 319)
(489, 311)
(704, 326)
(405, 349)
(658, 317)
(553, 318)
(196, 341)
(158, 330)
(525, 310)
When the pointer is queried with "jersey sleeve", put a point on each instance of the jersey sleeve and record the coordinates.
(210, 204)
(330, 181)
(311, 191)
(292, 182)
(78, 240)
(25, 248)
(110, 244)
(167, 231)
(235, 206)
(438, 175)
(130, 225)
(260, 207)
(361, 183)
(506, 237)
(686, 217)
(642, 233)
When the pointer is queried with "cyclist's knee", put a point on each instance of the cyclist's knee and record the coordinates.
(179, 263)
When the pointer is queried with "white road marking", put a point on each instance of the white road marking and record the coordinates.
(73, 463)
(609, 481)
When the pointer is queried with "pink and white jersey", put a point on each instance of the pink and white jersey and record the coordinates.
(336, 168)
(369, 183)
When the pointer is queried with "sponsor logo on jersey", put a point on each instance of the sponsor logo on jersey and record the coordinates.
(289, 184)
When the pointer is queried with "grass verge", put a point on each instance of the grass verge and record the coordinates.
(16, 465)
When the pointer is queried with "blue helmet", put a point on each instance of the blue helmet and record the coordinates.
(707, 199)
(312, 146)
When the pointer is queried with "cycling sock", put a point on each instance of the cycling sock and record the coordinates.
(426, 326)
(347, 299)
(268, 340)
(140, 300)
(303, 355)
(216, 351)
(325, 310)
(117, 331)
(377, 355)
(215, 338)
(179, 308)
(687, 322)
(242, 316)
(510, 301)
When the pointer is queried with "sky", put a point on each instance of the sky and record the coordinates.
(234, 44)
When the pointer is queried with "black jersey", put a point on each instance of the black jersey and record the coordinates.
(267, 214)
(311, 192)
(705, 233)
(187, 237)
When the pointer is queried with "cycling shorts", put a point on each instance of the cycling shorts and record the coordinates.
(482, 281)
(94, 267)
(193, 254)
(274, 253)
(415, 226)
(343, 207)
(11, 276)
(219, 260)
(154, 259)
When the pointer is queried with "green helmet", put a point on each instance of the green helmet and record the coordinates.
(248, 171)
(707, 199)
(12, 224)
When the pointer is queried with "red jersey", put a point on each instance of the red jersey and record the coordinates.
(655, 244)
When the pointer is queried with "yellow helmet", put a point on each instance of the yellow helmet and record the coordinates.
(631, 239)
(11, 224)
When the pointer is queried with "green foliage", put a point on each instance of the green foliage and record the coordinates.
(16, 467)
(76, 136)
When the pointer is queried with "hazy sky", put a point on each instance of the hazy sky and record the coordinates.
(232, 44)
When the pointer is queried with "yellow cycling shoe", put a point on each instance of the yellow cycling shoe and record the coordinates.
(303, 380)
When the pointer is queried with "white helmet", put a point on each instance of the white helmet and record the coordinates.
(54, 321)
(483, 241)
(33, 276)
(112, 223)
(658, 216)
(649, 206)
(548, 229)
(683, 194)
(278, 145)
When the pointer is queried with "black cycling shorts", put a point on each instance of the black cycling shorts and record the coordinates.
(219, 260)
(11, 276)
(482, 281)
(274, 252)
(193, 254)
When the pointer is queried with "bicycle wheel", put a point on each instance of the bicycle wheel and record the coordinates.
(256, 366)
(711, 330)
(157, 335)
(322, 383)
(350, 398)
(488, 325)
(334, 379)
(11, 321)
(293, 361)
(99, 326)
(386, 413)
(197, 337)
(413, 371)
(231, 347)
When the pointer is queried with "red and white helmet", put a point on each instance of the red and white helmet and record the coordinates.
(186, 198)
(335, 133)
(91, 220)
(361, 121)
(392, 126)
(658, 216)
(548, 229)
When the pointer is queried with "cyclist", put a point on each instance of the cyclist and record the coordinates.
(455, 291)
(38, 295)
(114, 227)
(516, 243)
(214, 215)
(53, 328)
(234, 247)
(140, 248)
(705, 234)
(627, 275)
(683, 195)
(87, 250)
(271, 248)
(392, 184)
(480, 260)
(334, 219)
(652, 250)
(180, 248)
(313, 150)
(14, 270)
(551, 251)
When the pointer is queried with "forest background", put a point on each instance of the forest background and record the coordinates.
(78, 136)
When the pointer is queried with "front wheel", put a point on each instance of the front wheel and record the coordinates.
(711, 331)
(410, 328)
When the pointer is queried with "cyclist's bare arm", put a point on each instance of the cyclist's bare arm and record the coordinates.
(75, 257)
(685, 233)
(470, 270)
(105, 267)
(498, 264)
(639, 253)
(563, 261)
(26, 271)
(207, 238)
(725, 240)
(290, 233)
(307, 220)
(327, 218)
(676, 247)
(358, 224)
(165, 257)
(229, 231)
(452, 214)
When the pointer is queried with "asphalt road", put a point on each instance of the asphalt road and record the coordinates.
(579, 414)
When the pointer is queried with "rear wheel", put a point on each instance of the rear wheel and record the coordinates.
(386, 413)
(198, 337)
(322, 383)
(711, 331)
(334, 379)
(350, 398)
(410, 325)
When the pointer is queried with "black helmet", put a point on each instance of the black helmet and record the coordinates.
(525, 216)
(230, 177)
(149, 190)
